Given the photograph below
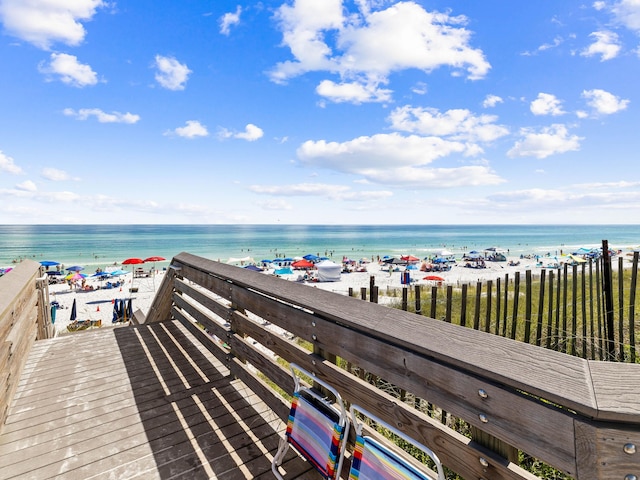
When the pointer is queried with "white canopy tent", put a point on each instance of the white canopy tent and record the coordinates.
(328, 271)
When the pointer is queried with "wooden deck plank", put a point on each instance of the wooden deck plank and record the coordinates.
(139, 402)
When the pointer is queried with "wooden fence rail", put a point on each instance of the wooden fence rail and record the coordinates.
(25, 316)
(578, 415)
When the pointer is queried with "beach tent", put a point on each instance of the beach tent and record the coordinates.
(283, 271)
(328, 271)
(302, 264)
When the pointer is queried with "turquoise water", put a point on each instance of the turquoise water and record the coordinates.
(101, 245)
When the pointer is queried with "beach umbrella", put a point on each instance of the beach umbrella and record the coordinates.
(311, 257)
(394, 261)
(49, 263)
(75, 268)
(117, 273)
(409, 258)
(254, 268)
(73, 311)
(131, 261)
(154, 259)
(434, 278)
(75, 276)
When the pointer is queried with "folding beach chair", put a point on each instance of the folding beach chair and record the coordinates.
(315, 428)
(372, 460)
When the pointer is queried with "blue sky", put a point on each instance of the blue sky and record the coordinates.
(319, 111)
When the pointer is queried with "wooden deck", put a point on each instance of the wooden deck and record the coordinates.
(136, 402)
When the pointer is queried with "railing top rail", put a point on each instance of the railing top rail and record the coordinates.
(599, 390)
(13, 283)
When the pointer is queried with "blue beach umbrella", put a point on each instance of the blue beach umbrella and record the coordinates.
(117, 273)
(49, 263)
(75, 268)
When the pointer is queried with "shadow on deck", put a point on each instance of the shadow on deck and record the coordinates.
(141, 402)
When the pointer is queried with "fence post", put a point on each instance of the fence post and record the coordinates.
(463, 306)
(620, 309)
(608, 301)
(527, 307)
(538, 339)
(405, 298)
(516, 298)
(632, 309)
(476, 313)
(489, 305)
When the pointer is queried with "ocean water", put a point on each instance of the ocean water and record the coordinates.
(95, 246)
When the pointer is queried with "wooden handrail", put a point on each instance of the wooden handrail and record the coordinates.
(24, 317)
(580, 416)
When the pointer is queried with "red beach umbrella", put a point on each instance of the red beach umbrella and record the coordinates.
(132, 261)
(435, 278)
(154, 259)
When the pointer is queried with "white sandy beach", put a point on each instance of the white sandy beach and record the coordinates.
(97, 304)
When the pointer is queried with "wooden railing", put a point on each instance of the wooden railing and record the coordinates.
(25, 316)
(581, 417)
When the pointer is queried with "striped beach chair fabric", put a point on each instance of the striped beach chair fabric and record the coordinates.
(373, 461)
(315, 428)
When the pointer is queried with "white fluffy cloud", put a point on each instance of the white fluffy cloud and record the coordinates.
(27, 186)
(171, 74)
(55, 174)
(44, 22)
(603, 102)
(491, 101)
(546, 104)
(192, 129)
(627, 12)
(457, 124)
(394, 159)
(606, 45)
(229, 19)
(102, 117)
(370, 45)
(353, 92)
(8, 165)
(549, 141)
(69, 70)
(251, 133)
